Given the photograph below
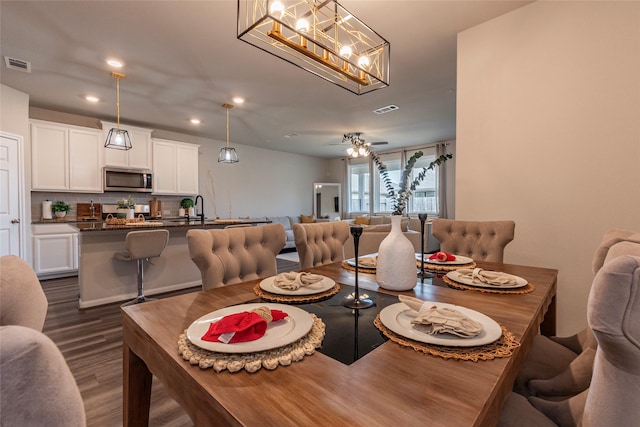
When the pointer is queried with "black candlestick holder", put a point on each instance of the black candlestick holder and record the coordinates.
(356, 302)
(423, 274)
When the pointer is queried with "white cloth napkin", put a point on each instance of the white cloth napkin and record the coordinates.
(480, 276)
(368, 262)
(293, 280)
(434, 320)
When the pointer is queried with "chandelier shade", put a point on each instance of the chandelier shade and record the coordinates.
(321, 37)
(117, 138)
(228, 154)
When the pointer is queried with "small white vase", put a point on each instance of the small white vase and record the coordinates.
(126, 213)
(61, 214)
(192, 212)
(181, 212)
(396, 267)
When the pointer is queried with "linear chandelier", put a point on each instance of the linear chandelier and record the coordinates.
(117, 138)
(228, 154)
(321, 37)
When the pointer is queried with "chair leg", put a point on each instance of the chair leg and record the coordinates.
(140, 298)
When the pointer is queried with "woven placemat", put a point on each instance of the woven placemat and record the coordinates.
(440, 268)
(252, 362)
(360, 269)
(503, 347)
(292, 299)
(523, 290)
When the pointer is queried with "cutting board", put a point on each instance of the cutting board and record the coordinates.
(85, 214)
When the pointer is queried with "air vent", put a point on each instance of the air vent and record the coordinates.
(388, 108)
(17, 64)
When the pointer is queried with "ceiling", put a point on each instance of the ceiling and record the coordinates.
(183, 60)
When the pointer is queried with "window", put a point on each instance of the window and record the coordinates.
(359, 177)
(425, 196)
(362, 201)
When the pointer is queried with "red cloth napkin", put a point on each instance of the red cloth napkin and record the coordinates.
(244, 326)
(443, 256)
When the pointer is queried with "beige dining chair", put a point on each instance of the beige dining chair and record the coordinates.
(561, 367)
(234, 255)
(612, 398)
(479, 240)
(36, 385)
(320, 243)
(22, 300)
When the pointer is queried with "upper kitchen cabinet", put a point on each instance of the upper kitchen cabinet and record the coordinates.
(175, 167)
(139, 157)
(65, 157)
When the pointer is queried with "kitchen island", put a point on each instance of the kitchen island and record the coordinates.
(103, 279)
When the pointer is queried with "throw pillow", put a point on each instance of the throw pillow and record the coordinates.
(307, 219)
(362, 220)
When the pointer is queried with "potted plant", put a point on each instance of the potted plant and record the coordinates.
(126, 208)
(60, 208)
(186, 206)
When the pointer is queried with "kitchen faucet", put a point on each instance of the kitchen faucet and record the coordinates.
(201, 214)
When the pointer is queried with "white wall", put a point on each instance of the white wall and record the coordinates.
(548, 134)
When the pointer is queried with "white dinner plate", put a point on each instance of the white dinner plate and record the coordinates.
(460, 260)
(295, 326)
(322, 286)
(456, 276)
(397, 317)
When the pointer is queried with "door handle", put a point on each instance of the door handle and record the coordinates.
(15, 221)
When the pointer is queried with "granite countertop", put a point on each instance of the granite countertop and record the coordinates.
(160, 223)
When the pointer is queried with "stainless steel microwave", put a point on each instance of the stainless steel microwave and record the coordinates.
(128, 180)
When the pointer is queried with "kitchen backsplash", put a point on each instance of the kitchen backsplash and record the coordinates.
(170, 204)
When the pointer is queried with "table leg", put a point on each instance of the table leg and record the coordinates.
(136, 390)
(548, 325)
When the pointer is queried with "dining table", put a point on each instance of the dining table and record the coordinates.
(388, 384)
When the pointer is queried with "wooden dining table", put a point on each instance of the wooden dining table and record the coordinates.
(390, 385)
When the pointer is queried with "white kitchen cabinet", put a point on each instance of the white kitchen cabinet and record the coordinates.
(55, 250)
(140, 154)
(65, 157)
(175, 167)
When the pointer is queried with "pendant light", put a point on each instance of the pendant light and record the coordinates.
(228, 154)
(118, 138)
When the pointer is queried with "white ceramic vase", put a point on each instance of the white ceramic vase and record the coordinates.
(396, 267)
(126, 213)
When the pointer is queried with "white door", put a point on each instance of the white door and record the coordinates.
(11, 228)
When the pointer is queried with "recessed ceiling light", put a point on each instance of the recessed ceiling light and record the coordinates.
(195, 121)
(92, 98)
(238, 100)
(115, 62)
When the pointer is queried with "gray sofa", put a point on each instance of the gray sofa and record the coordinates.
(287, 222)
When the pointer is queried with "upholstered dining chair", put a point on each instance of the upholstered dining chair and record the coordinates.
(479, 240)
(613, 313)
(234, 255)
(561, 367)
(37, 387)
(22, 300)
(320, 243)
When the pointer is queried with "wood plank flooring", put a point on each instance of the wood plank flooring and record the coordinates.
(91, 342)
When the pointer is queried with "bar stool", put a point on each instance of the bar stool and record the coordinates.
(140, 246)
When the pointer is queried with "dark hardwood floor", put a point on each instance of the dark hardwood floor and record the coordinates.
(91, 342)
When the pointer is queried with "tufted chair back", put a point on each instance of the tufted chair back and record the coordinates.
(612, 238)
(320, 243)
(479, 240)
(234, 255)
(22, 300)
(613, 313)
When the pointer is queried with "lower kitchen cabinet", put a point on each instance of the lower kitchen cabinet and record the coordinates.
(55, 250)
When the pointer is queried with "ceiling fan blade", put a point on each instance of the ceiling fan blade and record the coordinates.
(378, 143)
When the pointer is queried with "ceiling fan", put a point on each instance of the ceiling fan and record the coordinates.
(351, 137)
